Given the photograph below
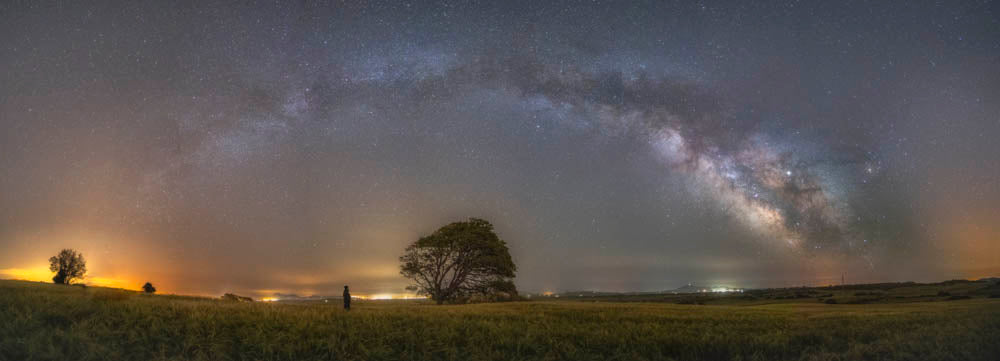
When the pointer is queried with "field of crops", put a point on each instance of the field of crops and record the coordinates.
(49, 322)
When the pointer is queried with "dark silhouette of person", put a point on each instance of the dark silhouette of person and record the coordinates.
(347, 298)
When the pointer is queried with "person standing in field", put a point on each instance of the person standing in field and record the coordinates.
(347, 299)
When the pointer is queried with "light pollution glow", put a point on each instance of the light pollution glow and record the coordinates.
(42, 274)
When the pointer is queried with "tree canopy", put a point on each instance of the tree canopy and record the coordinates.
(459, 261)
(68, 266)
(148, 288)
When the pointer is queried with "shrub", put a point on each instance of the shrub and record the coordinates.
(236, 298)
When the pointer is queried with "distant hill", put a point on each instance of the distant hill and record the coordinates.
(888, 292)
(689, 288)
(295, 297)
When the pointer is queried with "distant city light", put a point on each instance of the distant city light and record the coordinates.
(722, 290)
(389, 296)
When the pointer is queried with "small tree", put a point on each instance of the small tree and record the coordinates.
(458, 261)
(68, 266)
(148, 288)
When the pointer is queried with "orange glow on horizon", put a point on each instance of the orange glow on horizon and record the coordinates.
(42, 274)
(976, 244)
(388, 296)
(38, 274)
(112, 283)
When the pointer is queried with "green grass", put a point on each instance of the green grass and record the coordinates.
(50, 322)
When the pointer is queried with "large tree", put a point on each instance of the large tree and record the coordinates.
(460, 260)
(68, 266)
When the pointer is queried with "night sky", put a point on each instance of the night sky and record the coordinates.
(294, 147)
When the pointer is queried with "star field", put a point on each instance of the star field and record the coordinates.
(279, 147)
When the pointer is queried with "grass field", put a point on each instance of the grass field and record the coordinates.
(49, 322)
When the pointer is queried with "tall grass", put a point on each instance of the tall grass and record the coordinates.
(49, 322)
